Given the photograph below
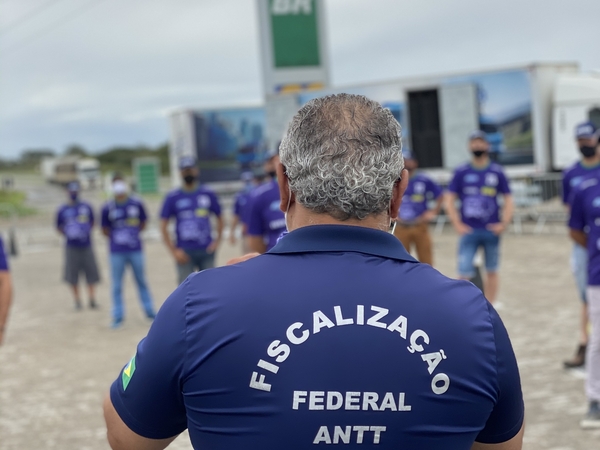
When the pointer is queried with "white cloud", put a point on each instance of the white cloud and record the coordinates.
(110, 75)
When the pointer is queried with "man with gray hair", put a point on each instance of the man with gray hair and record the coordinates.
(334, 336)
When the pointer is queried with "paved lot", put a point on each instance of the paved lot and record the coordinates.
(57, 363)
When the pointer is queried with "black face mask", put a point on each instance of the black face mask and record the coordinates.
(272, 174)
(587, 151)
(189, 179)
(479, 153)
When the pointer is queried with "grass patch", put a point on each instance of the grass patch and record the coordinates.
(14, 201)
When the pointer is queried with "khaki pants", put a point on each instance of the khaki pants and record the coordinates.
(417, 235)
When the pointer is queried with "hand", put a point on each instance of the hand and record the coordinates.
(213, 246)
(496, 228)
(427, 216)
(240, 259)
(180, 256)
(463, 229)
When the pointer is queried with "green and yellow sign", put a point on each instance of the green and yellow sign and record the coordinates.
(295, 33)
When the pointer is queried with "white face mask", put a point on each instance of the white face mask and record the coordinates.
(119, 187)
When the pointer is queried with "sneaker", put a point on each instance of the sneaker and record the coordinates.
(578, 360)
(592, 418)
(93, 304)
(116, 323)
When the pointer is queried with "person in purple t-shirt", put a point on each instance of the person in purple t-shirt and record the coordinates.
(75, 221)
(241, 208)
(123, 218)
(584, 224)
(5, 290)
(412, 226)
(480, 223)
(266, 222)
(191, 206)
(588, 166)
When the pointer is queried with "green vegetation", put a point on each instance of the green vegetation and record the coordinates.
(13, 202)
(523, 140)
(114, 159)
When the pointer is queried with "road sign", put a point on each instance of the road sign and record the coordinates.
(146, 172)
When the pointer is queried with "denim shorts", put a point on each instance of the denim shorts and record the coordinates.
(468, 246)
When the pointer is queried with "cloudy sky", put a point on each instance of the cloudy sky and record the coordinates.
(106, 72)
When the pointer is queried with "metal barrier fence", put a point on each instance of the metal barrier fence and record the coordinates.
(538, 201)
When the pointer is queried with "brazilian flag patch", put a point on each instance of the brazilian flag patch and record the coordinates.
(128, 372)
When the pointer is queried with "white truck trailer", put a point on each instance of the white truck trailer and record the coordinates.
(528, 113)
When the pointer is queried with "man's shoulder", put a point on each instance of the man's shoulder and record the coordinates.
(462, 169)
(135, 200)
(173, 194)
(587, 185)
(496, 168)
(571, 170)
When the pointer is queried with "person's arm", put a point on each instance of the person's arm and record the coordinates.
(60, 223)
(257, 244)
(234, 223)
(215, 208)
(105, 222)
(143, 217)
(145, 409)
(578, 236)
(432, 213)
(120, 436)
(5, 300)
(508, 210)
(516, 443)
(450, 207)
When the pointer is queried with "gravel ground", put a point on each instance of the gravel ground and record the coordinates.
(57, 363)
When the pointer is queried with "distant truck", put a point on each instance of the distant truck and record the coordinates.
(528, 113)
(64, 170)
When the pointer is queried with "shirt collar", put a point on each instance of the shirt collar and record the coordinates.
(342, 238)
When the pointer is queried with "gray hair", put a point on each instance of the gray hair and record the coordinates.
(342, 155)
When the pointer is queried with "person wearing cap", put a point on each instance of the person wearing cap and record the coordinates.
(241, 206)
(75, 221)
(414, 216)
(481, 221)
(5, 291)
(266, 222)
(123, 219)
(584, 225)
(191, 206)
(587, 166)
(336, 335)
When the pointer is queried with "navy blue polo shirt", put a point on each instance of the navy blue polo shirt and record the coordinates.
(335, 336)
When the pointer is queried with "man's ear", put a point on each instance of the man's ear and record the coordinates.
(284, 187)
(398, 193)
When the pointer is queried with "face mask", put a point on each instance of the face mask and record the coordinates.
(479, 153)
(119, 187)
(73, 195)
(587, 151)
(272, 174)
(189, 179)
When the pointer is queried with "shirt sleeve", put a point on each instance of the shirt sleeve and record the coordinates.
(105, 220)
(92, 218)
(148, 394)
(59, 218)
(454, 185)
(3, 258)
(255, 222)
(434, 189)
(166, 211)
(503, 185)
(143, 215)
(577, 218)
(215, 206)
(506, 419)
(237, 206)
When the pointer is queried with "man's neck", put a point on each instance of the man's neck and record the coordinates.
(590, 161)
(298, 217)
(189, 187)
(480, 163)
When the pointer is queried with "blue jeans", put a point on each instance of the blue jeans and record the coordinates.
(118, 263)
(200, 259)
(579, 266)
(469, 243)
